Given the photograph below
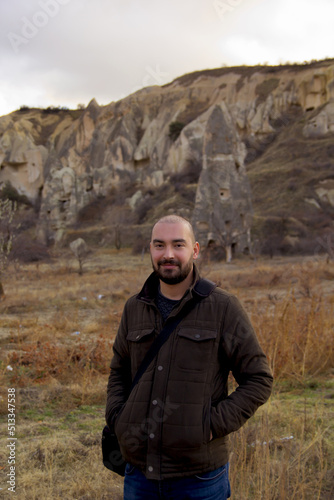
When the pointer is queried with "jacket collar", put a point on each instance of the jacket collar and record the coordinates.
(151, 286)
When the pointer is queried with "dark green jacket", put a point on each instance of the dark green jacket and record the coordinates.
(164, 425)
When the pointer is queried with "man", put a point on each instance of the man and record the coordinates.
(173, 426)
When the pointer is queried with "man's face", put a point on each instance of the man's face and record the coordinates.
(173, 251)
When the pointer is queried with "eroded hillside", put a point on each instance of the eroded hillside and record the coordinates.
(251, 145)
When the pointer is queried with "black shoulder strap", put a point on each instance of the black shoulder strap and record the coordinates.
(203, 288)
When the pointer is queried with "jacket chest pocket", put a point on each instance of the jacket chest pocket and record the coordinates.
(194, 348)
(139, 343)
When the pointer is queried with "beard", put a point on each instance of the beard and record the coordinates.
(173, 276)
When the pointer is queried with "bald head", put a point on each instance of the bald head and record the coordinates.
(176, 219)
(173, 250)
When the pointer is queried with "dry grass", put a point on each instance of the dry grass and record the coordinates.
(56, 333)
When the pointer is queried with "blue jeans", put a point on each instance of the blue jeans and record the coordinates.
(209, 486)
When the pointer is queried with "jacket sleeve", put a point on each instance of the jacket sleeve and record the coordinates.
(119, 381)
(250, 369)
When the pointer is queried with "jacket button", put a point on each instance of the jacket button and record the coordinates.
(152, 436)
(154, 402)
(197, 336)
(150, 468)
(160, 368)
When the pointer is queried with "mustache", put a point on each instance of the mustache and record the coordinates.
(173, 262)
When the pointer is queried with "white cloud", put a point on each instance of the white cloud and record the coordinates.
(103, 49)
(279, 31)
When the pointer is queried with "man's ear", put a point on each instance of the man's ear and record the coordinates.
(196, 250)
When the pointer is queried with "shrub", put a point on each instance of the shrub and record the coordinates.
(140, 245)
(264, 88)
(51, 359)
(143, 208)
(92, 211)
(9, 192)
(26, 250)
(175, 130)
(55, 109)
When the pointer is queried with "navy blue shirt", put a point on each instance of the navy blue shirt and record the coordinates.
(165, 305)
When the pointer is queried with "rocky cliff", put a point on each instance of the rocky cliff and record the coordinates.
(206, 146)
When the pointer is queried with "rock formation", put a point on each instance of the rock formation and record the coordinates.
(223, 209)
(63, 160)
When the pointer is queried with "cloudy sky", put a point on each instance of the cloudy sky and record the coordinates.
(65, 52)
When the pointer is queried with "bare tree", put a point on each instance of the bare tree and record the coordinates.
(118, 239)
(326, 244)
(81, 252)
(7, 233)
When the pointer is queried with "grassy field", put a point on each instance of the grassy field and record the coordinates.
(56, 335)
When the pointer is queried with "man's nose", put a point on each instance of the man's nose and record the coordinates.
(169, 252)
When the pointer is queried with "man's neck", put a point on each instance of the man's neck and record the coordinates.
(176, 292)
